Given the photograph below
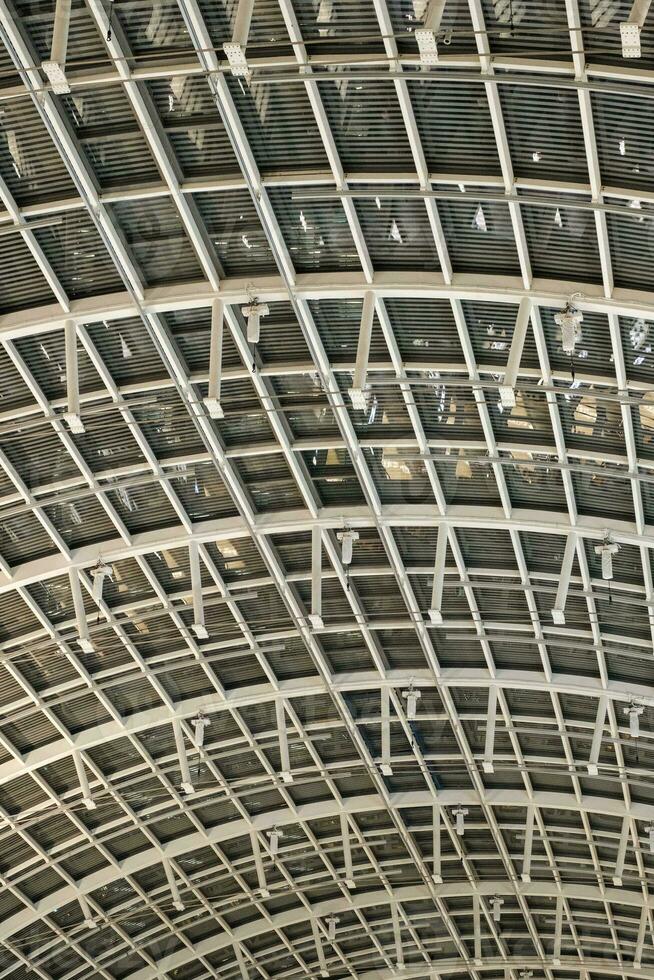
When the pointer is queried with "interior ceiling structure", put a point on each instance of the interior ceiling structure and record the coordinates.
(329, 654)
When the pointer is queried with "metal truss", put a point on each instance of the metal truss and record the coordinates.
(149, 304)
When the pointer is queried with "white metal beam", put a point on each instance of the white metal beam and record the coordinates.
(315, 616)
(598, 735)
(435, 613)
(529, 838)
(622, 852)
(212, 400)
(491, 718)
(347, 852)
(558, 612)
(507, 388)
(258, 863)
(386, 762)
(185, 772)
(286, 773)
(55, 68)
(357, 392)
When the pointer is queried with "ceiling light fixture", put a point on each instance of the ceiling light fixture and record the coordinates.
(347, 539)
(459, 814)
(633, 712)
(254, 312)
(386, 766)
(606, 550)
(638, 333)
(496, 908)
(332, 921)
(411, 696)
(200, 724)
(569, 320)
(274, 836)
(479, 220)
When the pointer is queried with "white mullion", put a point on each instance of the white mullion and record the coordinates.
(55, 67)
(397, 935)
(72, 414)
(437, 871)
(491, 718)
(435, 612)
(83, 781)
(316, 577)
(358, 390)
(640, 941)
(285, 773)
(476, 929)
(386, 763)
(172, 884)
(347, 852)
(558, 931)
(569, 553)
(529, 838)
(212, 401)
(598, 734)
(507, 388)
(258, 863)
(320, 952)
(83, 635)
(180, 745)
(198, 627)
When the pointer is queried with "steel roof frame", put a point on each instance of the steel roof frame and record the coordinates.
(259, 530)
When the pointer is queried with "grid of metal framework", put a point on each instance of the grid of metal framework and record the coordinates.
(382, 792)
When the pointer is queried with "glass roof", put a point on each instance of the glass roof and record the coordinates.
(326, 491)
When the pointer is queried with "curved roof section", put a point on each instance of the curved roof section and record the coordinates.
(226, 750)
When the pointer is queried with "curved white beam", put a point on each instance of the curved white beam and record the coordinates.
(355, 805)
(407, 894)
(345, 285)
(516, 963)
(290, 522)
(560, 684)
